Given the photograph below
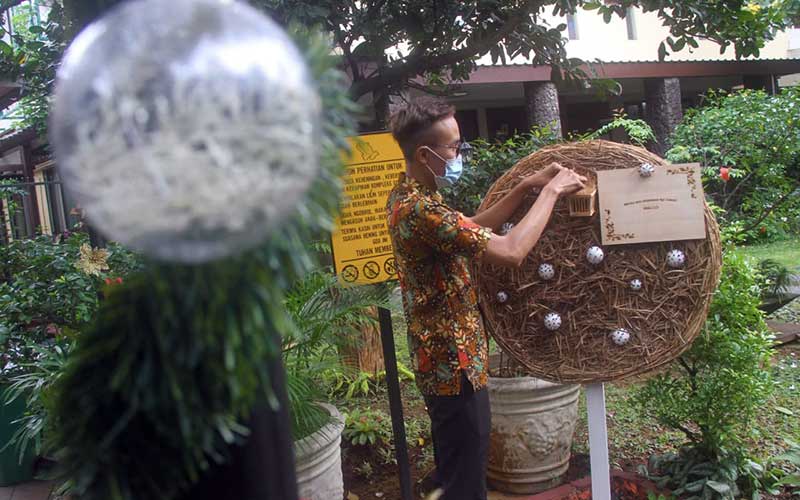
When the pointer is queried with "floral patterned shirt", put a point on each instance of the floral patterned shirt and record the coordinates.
(434, 247)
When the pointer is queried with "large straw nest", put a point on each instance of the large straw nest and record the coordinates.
(663, 318)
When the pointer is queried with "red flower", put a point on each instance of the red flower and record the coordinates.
(108, 281)
(725, 173)
(119, 280)
(762, 229)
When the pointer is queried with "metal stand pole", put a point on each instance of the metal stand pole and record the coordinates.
(598, 442)
(395, 404)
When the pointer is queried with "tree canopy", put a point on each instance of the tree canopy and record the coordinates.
(441, 40)
(387, 46)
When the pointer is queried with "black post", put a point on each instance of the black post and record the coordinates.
(395, 404)
(263, 468)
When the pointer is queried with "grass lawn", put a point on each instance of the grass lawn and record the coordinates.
(786, 252)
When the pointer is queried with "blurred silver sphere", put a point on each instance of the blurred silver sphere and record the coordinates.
(186, 129)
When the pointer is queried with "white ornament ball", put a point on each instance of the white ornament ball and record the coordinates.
(547, 271)
(502, 297)
(646, 169)
(552, 321)
(636, 284)
(676, 259)
(595, 255)
(506, 228)
(620, 336)
(186, 129)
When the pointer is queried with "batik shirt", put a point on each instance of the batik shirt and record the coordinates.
(434, 247)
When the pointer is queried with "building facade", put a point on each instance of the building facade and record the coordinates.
(500, 99)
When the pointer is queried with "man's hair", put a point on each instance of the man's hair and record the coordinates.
(411, 123)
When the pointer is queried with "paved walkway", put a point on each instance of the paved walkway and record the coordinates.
(37, 490)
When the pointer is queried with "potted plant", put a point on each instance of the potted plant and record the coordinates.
(533, 422)
(325, 315)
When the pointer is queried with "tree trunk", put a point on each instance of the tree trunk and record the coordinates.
(381, 104)
(365, 353)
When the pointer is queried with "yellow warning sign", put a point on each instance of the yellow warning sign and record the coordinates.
(362, 250)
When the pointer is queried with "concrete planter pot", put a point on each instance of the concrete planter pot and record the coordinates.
(12, 469)
(533, 422)
(318, 461)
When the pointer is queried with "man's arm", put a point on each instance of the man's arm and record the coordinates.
(494, 216)
(510, 250)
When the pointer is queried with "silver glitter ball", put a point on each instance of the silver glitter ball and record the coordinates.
(646, 169)
(506, 228)
(676, 259)
(636, 284)
(547, 271)
(186, 129)
(552, 321)
(502, 297)
(620, 336)
(595, 255)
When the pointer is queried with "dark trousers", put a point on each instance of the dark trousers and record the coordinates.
(460, 431)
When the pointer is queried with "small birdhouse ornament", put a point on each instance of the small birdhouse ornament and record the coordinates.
(620, 336)
(595, 255)
(636, 284)
(547, 271)
(646, 169)
(506, 228)
(552, 321)
(582, 203)
(676, 259)
(502, 297)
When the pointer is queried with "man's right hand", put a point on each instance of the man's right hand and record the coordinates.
(566, 181)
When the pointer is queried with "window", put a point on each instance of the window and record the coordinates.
(630, 21)
(572, 27)
(55, 201)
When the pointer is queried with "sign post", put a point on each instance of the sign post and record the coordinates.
(395, 403)
(363, 255)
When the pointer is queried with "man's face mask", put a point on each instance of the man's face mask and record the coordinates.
(452, 167)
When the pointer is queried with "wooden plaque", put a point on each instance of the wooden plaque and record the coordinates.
(667, 206)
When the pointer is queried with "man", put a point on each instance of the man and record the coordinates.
(434, 248)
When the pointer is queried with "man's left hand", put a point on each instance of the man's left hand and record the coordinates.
(542, 177)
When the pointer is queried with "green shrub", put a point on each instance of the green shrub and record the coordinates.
(791, 476)
(755, 136)
(638, 131)
(367, 427)
(361, 383)
(49, 289)
(712, 392)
